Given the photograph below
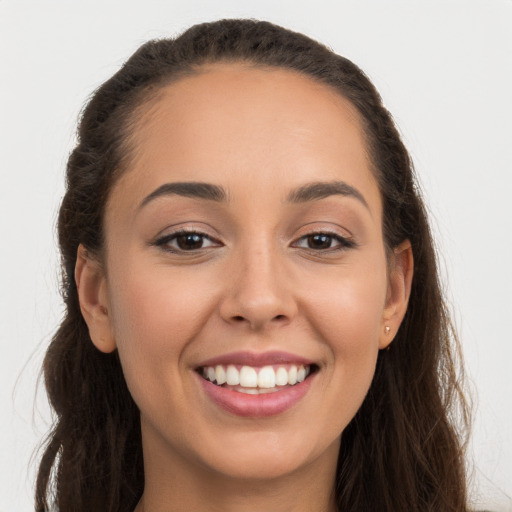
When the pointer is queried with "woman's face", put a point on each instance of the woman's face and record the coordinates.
(244, 242)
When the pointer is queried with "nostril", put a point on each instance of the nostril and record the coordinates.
(238, 318)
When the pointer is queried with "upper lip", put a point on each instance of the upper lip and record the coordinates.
(256, 359)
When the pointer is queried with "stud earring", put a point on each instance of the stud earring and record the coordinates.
(387, 330)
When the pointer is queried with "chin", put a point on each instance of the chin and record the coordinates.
(267, 456)
(259, 467)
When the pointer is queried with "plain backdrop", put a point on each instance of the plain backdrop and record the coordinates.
(444, 69)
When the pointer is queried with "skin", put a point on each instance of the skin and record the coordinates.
(257, 285)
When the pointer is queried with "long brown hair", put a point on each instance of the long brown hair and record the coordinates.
(401, 451)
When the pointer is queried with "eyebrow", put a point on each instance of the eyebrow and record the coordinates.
(197, 190)
(305, 193)
(323, 189)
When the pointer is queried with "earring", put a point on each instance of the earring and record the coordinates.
(387, 330)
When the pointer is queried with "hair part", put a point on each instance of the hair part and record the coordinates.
(401, 451)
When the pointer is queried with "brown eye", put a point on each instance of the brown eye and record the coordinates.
(190, 241)
(324, 242)
(186, 241)
(320, 241)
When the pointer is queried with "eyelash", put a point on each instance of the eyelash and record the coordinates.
(163, 242)
(344, 243)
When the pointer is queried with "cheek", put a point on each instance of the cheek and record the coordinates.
(154, 315)
(348, 308)
(154, 306)
(347, 316)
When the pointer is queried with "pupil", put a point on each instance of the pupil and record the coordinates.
(190, 241)
(319, 241)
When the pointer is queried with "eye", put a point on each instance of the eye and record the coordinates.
(186, 241)
(324, 242)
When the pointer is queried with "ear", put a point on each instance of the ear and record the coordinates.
(399, 289)
(92, 294)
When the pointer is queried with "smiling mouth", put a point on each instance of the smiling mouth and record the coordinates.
(256, 380)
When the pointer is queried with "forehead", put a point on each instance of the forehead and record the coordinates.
(248, 127)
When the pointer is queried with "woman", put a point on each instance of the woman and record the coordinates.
(254, 319)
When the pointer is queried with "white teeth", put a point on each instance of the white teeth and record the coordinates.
(220, 374)
(248, 377)
(232, 376)
(292, 376)
(281, 376)
(250, 391)
(267, 377)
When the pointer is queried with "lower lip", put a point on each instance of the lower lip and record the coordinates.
(256, 406)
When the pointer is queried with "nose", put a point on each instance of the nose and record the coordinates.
(259, 291)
